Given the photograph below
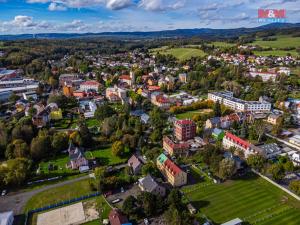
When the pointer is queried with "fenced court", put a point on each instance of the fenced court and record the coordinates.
(68, 215)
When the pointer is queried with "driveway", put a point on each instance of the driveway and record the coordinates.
(133, 190)
(16, 201)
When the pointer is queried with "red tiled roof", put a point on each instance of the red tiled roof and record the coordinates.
(91, 82)
(124, 77)
(238, 140)
(172, 167)
(153, 88)
(162, 99)
(116, 217)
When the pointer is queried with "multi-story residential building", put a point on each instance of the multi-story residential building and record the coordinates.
(115, 94)
(266, 76)
(89, 85)
(237, 104)
(270, 74)
(231, 140)
(160, 100)
(174, 147)
(68, 78)
(173, 174)
(184, 129)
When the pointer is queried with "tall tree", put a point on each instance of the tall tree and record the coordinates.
(226, 168)
(217, 109)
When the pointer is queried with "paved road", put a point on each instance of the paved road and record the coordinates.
(16, 201)
(285, 142)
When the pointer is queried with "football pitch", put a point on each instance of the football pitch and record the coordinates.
(251, 199)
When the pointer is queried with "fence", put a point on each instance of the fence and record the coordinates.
(277, 185)
(59, 204)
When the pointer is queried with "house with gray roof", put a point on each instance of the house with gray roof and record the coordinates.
(148, 184)
(135, 164)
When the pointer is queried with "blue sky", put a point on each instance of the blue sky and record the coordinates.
(39, 16)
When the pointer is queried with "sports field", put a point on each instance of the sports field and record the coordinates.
(180, 53)
(191, 114)
(251, 199)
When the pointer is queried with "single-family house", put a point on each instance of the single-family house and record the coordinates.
(116, 217)
(148, 184)
(77, 158)
(218, 134)
(135, 164)
(212, 123)
(273, 119)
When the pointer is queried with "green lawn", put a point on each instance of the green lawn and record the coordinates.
(59, 164)
(252, 199)
(106, 157)
(58, 194)
(283, 41)
(190, 114)
(92, 122)
(181, 53)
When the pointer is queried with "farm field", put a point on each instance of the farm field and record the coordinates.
(276, 53)
(106, 157)
(222, 44)
(190, 114)
(180, 53)
(283, 41)
(251, 199)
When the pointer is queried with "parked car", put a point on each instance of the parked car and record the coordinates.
(146, 221)
(122, 190)
(116, 201)
(4, 192)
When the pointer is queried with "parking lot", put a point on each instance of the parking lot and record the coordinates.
(133, 190)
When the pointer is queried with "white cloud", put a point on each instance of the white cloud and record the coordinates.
(118, 4)
(63, 4)
(56, 7)
(21, 21)
(161, 5)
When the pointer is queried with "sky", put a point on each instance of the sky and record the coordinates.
(81, 16)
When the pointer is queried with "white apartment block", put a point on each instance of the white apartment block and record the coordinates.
(227, 99)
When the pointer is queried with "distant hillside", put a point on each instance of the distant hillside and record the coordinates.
(201, 32)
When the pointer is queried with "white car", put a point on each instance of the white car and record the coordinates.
(146, 221)
(4, 192)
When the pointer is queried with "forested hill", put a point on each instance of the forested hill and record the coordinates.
(201, 32)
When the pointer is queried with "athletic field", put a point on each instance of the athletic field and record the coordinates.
(251, 199)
